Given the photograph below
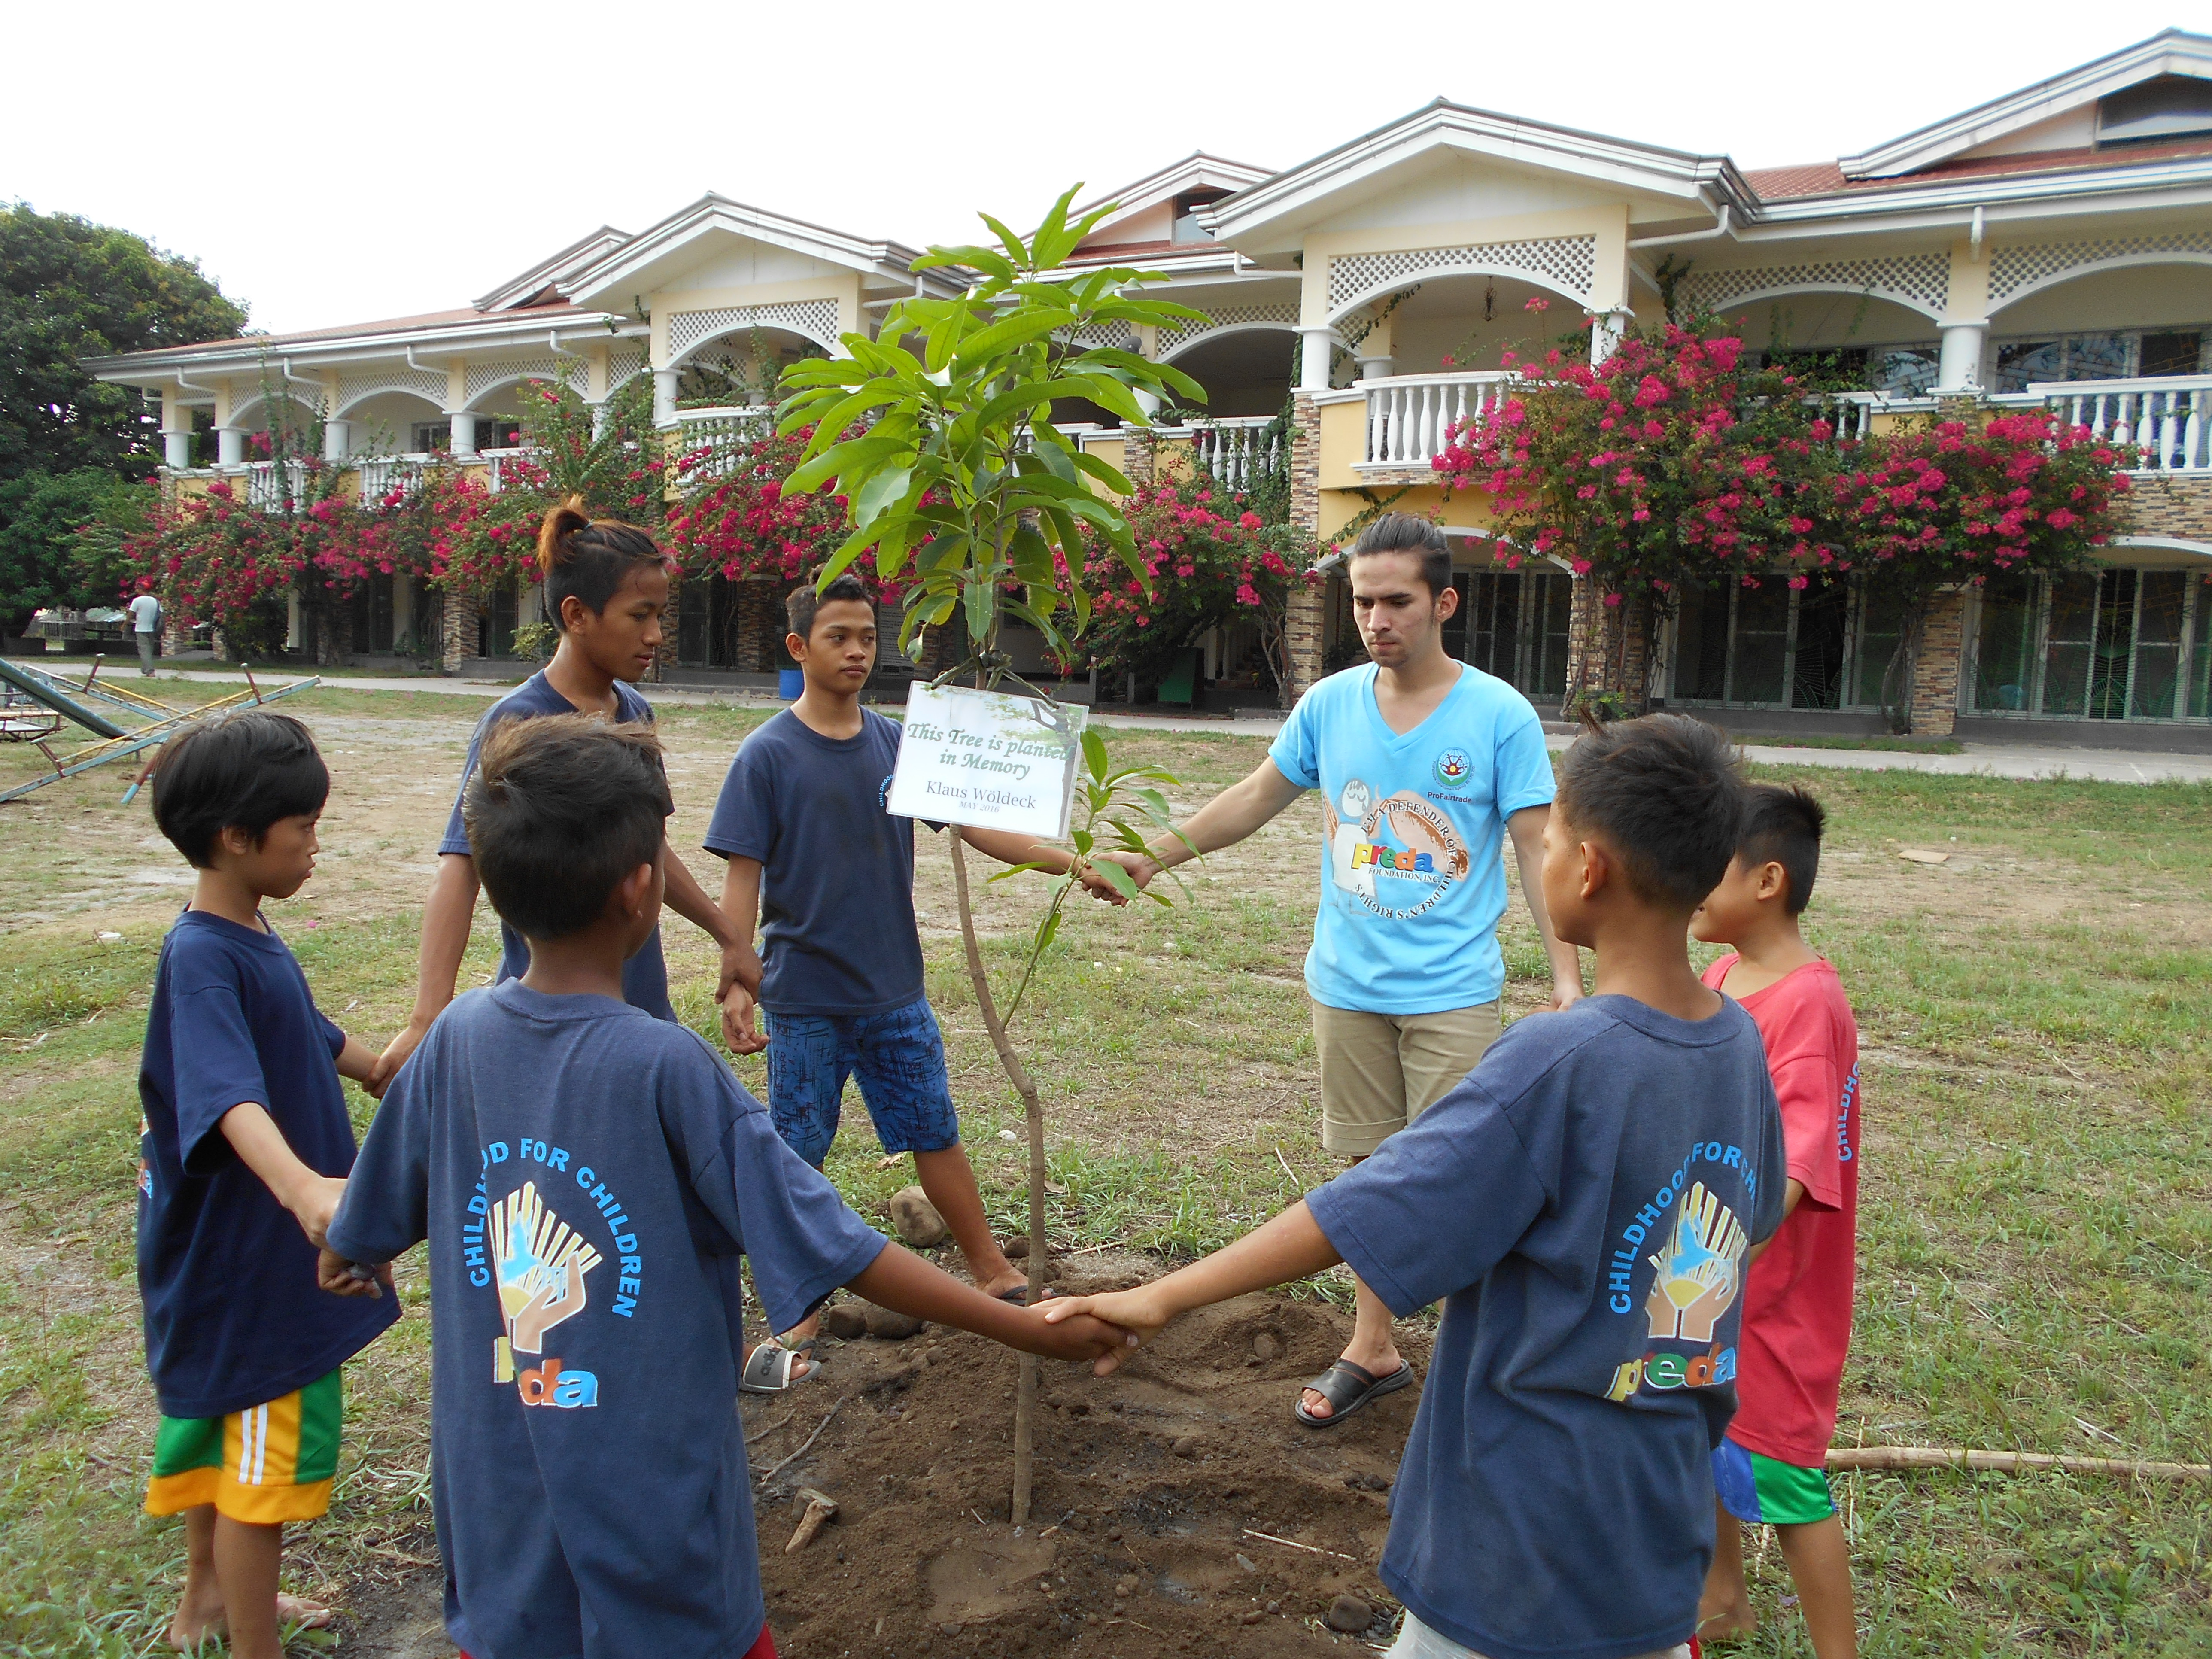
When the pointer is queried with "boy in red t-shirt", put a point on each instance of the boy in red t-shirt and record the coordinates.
(1797, 1293)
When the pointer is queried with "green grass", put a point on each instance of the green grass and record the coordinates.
(2035, 1253)
(1837, 740)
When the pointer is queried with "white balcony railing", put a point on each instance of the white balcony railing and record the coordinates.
(723, 434)
(497, 465)
(267, 490)
(379, 475)
(1410, 417)
(2171, 419)
(1236, 450)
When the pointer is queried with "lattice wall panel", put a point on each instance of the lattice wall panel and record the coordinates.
(1172, 339)
(2014, 269)
(620, 365)
(1568, 263)
(815, 319)
(1922, 281)
(352, 388)
(482, 377)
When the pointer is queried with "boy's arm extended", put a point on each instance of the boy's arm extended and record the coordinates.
(358, 1061)
(741, 963)
(1292, 1246)
(1009, 847)
(447, 916)
(312, 1198)
(1526, 829)
(689, 901)
(902, 1281)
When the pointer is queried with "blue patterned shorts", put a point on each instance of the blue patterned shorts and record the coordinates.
(899, 1058)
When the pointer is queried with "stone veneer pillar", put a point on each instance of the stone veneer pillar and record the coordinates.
(1934, 706)
(1140, 456)
(755, 595)
(457, 637)
(1302, 624)
(1609, 646)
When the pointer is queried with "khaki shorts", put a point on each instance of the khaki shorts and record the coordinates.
(1380, 1072)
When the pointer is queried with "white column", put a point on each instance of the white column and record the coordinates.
(599, 418)
(1375, 369)
(1607, 329)
(463, 440)
(663, 397)
(1147, 401)
(1960, 368)
(337, 440)
(177, 450)
(403, 609)
(230, 445)
(176, 429)
(295, 635)
(1313, 360)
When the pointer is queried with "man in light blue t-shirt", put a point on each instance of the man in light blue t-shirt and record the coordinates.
(1425, 764)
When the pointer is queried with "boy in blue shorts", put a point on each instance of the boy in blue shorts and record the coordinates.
(587, 1178)
(827, 875)
(243, 1152)
(1584, 1204)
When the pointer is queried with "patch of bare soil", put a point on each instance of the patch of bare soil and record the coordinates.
(1152, 1490)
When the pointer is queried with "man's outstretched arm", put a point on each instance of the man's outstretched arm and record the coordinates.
(1227, 819)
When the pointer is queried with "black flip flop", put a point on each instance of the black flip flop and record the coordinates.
(1019, 1296)
(1348, 1387)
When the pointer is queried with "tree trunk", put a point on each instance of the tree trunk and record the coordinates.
(1897, 679)
(1025, 1392)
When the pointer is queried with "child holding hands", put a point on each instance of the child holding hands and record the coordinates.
(587, 1177)
(1583, 1204)
(243, 1152)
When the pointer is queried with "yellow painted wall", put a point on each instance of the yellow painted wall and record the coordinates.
(1466, 510)
(1343, 442)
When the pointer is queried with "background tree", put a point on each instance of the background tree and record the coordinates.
(71, 290)
(43, 560)
(955, 477)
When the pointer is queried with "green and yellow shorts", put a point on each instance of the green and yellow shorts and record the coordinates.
(1754, 1489)
(268, 1464)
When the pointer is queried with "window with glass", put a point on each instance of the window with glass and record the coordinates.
(2120, 354)
(1513, 623)
(1772, 646)
(2113, 644)
(1900, 371)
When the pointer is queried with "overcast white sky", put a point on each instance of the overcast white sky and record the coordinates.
(335, 164)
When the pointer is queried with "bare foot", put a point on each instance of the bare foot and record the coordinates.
(1378, 1365)
(201, 1621)
(1731, 1622)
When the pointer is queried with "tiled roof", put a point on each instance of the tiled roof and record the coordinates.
(1826, 178)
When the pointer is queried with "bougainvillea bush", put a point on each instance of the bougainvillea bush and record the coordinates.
(1210, 561)
(1672, 466)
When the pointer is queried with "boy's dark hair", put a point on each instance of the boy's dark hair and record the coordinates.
(560, 809)
(1782, 825)
(1405, 532)
(589, 557)
(244, 771)
(802, 602)
(1668, 794)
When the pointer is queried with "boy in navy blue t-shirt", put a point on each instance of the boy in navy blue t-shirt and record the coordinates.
(828, 875)
(587, 1177)
(1585, 1205)
(243, 1152)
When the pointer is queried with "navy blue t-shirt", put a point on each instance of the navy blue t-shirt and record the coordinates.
(1581, 1204)
(234, 1319)
(645, 976)
(586, 1177)
(837, 928)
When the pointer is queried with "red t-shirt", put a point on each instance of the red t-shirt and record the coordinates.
(1797, 1297)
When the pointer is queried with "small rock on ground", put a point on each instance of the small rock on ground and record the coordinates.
(916, 1219)
(1266, 1348)
(1348, 1614)
(893, 1327)
(846, 1320)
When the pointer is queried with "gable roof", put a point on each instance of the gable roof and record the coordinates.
(531, 285)
(1829, 178)
(1442, 125)
(609, 279)
(1196, 171)
(2174, 51)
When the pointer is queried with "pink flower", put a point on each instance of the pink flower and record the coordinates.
(1537, 302)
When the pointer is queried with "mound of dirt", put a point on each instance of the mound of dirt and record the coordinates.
(1153, 1491)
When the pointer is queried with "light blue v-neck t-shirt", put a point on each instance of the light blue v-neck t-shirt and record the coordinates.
(1413, 882)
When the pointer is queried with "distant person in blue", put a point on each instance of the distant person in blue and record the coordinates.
(827, 874)
(1585, 1205)
(1425, 765)
(587, 1178)
(243, 1152)
(606, 589)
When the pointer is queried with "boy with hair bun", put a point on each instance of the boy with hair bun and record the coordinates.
(587, 1178)
(244, 1148)
(1583, 1204)
(1797, 1299)
(606, 590)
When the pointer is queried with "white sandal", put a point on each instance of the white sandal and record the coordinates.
(768, 1370)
